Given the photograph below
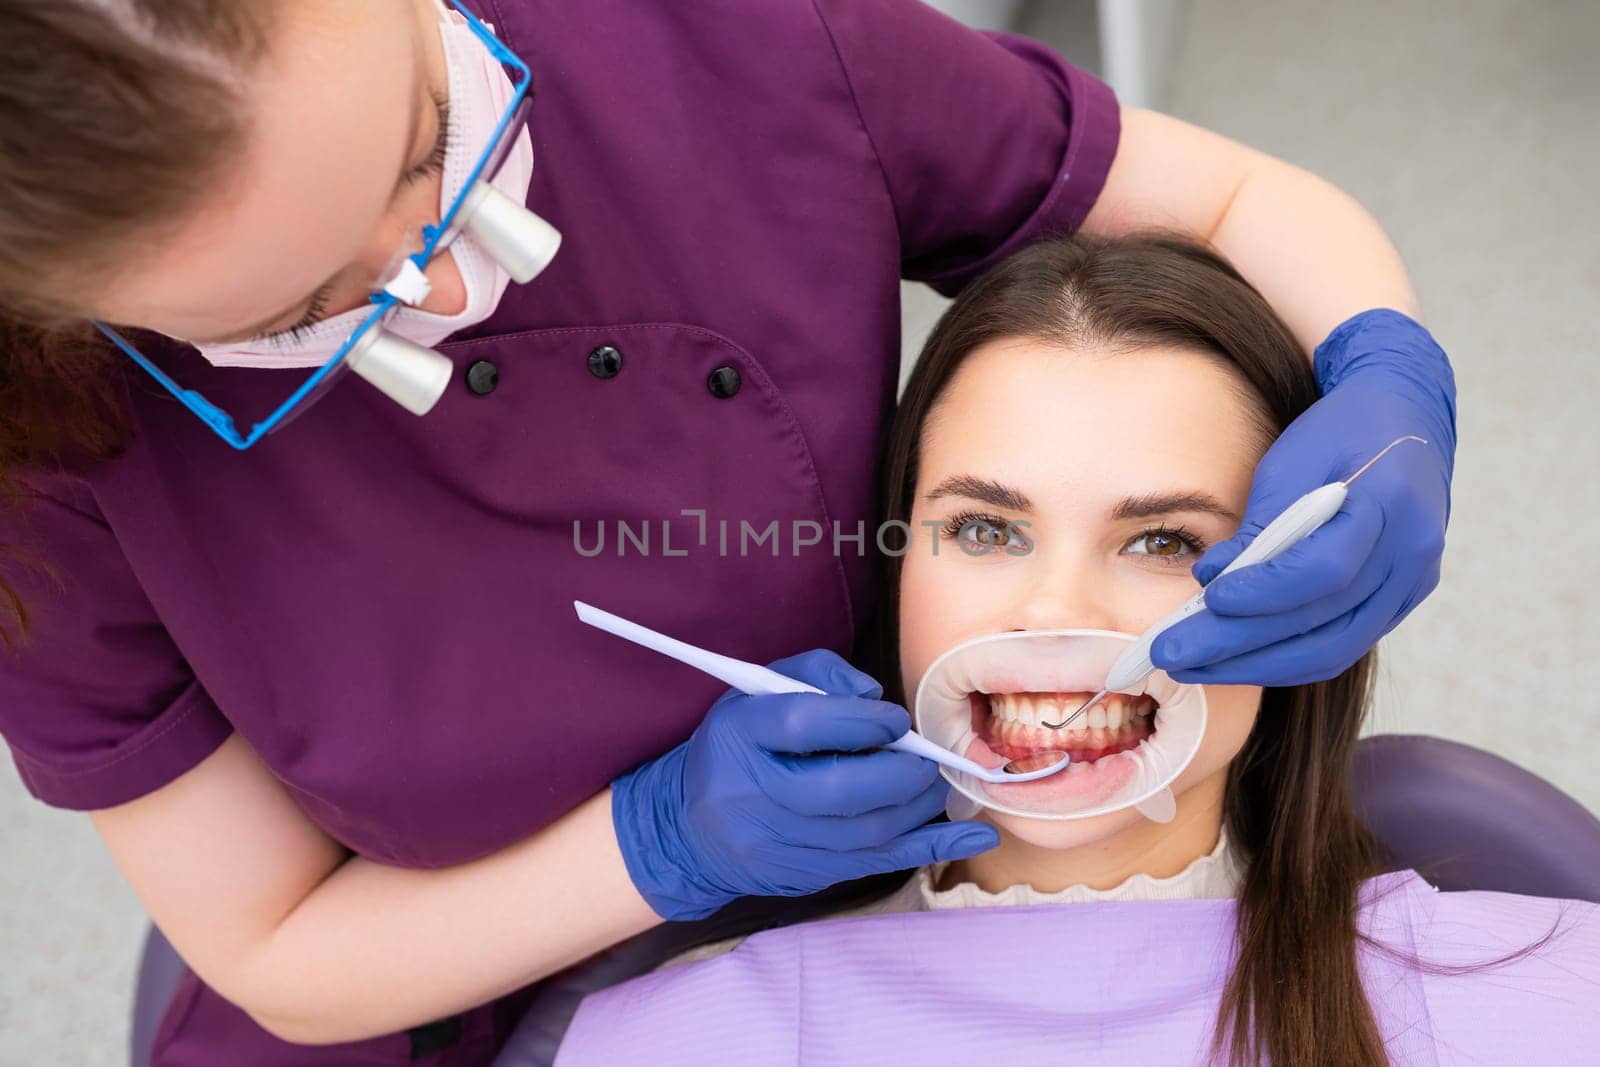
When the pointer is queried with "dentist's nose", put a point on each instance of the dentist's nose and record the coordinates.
(400, 236)
(522, 243)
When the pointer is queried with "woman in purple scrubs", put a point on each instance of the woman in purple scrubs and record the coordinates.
(325, 698)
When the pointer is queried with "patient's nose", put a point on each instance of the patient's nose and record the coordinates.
(1065, 596)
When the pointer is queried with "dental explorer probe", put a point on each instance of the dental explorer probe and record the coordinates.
(757, 680)
(1295, 524)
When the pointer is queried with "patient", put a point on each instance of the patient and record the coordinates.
(1083, 423)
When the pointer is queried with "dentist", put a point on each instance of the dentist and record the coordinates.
(302, 643)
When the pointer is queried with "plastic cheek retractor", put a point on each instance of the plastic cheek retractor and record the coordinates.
(985, 698)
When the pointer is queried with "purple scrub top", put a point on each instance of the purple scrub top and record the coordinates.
(382, 604)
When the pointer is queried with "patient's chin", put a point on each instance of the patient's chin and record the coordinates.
(1063, 834)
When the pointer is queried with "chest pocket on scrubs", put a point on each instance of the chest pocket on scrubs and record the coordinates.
(557, 467)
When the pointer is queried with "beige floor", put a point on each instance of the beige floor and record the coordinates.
(1469, 127)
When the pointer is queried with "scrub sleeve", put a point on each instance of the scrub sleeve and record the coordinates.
(381, 605)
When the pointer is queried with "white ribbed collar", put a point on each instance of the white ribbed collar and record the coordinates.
(1214, 876)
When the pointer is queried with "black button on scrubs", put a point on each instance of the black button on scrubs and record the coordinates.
(723, 382)
(604, 362)
(482, 377)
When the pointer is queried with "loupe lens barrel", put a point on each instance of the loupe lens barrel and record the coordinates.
(407, 373)
(514, 237)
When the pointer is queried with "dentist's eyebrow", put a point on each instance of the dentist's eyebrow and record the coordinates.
(1153, 504)
(965, 485)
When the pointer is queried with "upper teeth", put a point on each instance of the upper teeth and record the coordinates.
(1036, 709)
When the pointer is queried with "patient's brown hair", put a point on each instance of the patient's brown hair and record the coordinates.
(1295, 996)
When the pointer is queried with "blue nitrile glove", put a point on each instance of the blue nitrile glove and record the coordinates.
(785, 795)
(1313, 611)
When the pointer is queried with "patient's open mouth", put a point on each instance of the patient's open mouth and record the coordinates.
(1009, 724)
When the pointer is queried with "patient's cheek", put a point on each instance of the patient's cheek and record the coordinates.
(931, 619)
(1231, 712)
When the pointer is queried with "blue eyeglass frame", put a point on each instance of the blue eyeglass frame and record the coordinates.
(220, 422)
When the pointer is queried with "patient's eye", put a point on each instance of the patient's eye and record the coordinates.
(1166, 543)
(978, 534)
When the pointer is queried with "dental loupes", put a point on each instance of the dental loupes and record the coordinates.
(757, 680)
(1296, 523)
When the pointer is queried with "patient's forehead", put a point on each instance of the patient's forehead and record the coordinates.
(1031, 413)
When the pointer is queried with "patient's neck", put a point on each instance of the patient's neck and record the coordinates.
(1145, 847)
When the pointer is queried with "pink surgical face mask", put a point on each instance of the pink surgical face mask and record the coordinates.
(480, 91)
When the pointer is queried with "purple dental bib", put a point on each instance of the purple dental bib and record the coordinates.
(1103, 983)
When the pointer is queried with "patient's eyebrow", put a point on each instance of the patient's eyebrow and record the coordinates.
(1152, 504)
(990, 492)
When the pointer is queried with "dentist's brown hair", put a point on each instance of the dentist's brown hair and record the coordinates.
(1295, 995)
(113, 117)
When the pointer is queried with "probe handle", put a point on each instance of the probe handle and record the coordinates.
(1297, 522)
(746, 677)
(755, 679)
(1134, 664)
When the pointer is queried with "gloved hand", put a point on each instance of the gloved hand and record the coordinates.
(1313, 611)
(785, 795)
